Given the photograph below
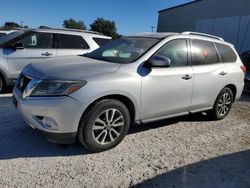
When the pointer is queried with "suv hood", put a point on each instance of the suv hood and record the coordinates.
(69, 68)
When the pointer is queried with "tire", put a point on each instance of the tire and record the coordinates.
(222, 104)
(2, 84)
(104, 126)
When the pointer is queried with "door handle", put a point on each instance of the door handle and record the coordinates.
(187, 77)
(46, 54)
(222, 73)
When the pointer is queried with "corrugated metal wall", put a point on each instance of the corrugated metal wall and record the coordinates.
(229, 19)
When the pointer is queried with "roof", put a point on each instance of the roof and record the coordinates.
(158, 35)
(67, 29)
(54, 29)
(188, 34)
(7, 31)
(178, 6)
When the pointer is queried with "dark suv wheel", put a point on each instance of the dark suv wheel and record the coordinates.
(222, 104)
(104, 126)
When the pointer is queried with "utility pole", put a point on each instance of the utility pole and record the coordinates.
(21, 24)
(152, 29)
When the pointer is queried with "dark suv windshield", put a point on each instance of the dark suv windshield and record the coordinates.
(124, 50)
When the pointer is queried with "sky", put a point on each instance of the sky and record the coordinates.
(130, 16)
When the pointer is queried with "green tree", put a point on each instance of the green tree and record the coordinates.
(10, 25)
(71, 23)
(106, 27)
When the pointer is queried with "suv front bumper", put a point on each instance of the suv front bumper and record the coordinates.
(64, 113)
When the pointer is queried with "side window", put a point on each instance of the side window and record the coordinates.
(226, 53)
(204, 53)
(101, 41)
(72, 42)
(38, 40)
(177, 51)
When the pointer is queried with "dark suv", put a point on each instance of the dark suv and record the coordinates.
(246, 61)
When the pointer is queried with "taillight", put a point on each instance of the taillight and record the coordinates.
(243, 68)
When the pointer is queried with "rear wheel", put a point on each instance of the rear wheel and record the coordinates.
(104, 126)
(2, 84)
(222, 104)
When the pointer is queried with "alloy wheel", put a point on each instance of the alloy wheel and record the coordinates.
(108, 126)
(224, 104)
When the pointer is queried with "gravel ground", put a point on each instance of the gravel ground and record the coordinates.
(189, 151)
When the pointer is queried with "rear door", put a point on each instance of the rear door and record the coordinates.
(68, 44)
(37, 46)
(209, 74)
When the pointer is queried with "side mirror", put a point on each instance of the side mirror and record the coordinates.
(159, 61)
(19, 46)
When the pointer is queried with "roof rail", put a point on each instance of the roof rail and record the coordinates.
(202, 34)
(76, 30)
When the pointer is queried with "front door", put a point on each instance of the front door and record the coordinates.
(167, 91)
(36, 45)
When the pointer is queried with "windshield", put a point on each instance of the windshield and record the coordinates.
(10, 36)
(124, 50)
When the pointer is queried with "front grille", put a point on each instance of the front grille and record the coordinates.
(23, 82)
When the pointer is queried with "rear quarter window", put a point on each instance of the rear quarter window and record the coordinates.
(226, 53)
(204, 53)
(101, 41)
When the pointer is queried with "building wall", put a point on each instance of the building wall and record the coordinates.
(229, 19)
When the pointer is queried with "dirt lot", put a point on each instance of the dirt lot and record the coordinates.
(190, 151)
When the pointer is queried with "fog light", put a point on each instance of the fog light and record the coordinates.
(49, 123)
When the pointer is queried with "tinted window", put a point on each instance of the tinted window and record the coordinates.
(2, 34)
(176, 51)
(38, 40)
(6, 39)
(101, 41)
(203, 53)
(226, 53)
(72, 42)
(123, 50)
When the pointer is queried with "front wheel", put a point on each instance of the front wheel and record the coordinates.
(222, 104)
(104, 126)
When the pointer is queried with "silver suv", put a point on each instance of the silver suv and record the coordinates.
(21, 47)
(135, 79)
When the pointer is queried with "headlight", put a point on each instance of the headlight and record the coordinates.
(56, 87)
